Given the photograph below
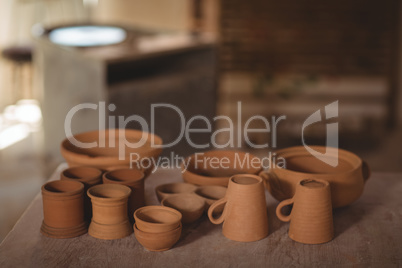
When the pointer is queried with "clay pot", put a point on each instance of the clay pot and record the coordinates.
(245, 216)
(157, 219)
(166, 190)
(107, 157)
(132, 178)
(347, 179)
(158, 241)
(191, 206)
(89, 176)
(311, 217)
(211, 194)
(216, 167)
(109, 206)
(63, 209)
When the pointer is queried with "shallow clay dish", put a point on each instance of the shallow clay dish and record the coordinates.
(216, 167)
(157, 219)
(158, 241)
(191, 206)
(166, 190)
(211, 193)
(347, 179)
(107, 157)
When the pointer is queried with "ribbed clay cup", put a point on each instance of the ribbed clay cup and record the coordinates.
(311, 216)
(63, 209)
(245, 216)
(134, 179)
(89, 176)
(109, 207)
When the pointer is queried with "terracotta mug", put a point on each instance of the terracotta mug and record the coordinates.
(311, 216)
(245, 216)
(89, 176)
(63, 209)
(109, 207)
(134, 179)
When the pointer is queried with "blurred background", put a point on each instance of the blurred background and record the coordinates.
(204, 56)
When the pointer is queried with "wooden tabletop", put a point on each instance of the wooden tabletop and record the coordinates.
(368, 232)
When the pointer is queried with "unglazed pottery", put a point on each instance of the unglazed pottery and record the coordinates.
(216, 167)
(89, 176)
(157, 219)
(347, 179)
(132, 178)
(211, 193)
(311, 216)
(245, 216)
(191, 206)
(112, 148)
(109, 207)
(63, 209)
(158, 241)
(166, 190)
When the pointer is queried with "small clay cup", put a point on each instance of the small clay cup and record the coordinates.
(109, 207)
(158, 241)
(191, 206)
(89, 176)
(157, 219)
(211, 194)
(166, 190)
(132, 178)
(311, 216)
(244, 217)
(63, 209)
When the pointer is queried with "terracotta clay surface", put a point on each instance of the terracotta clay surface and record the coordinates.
(311, 217)
(158, 241)
(347, 179)
(157, 219)
(205, 168)
(165, 190)
(89, 176)
(191, 206)
(63, 209)
(105, 155)
(109, 206)
(245, 215)
(132, 178)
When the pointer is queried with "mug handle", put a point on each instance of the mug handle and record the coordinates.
(279, 208)
(366, 171)
(211, 211)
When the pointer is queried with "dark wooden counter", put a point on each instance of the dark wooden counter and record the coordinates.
(369, 232)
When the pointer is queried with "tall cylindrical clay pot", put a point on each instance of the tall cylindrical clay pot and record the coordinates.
(311, 216)
(132, 178)
(109, 211)
(63, 209)
(244, 216)
(89, 176)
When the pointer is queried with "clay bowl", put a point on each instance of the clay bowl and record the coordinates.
(157, 219)
(108, 157)
(158, 241)
(347, 178)
(211, 194)
(203, 169)
(89, 176)
(166, 190)
(191, 206)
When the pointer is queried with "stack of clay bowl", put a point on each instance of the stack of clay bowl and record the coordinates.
(204, 168)
(189, 199)
(106, 147)
(157, 228)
